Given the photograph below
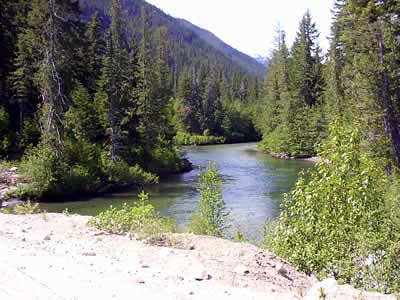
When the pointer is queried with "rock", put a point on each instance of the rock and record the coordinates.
(144, 266)
(89, 254)
(13, 169)
(241, 270)
(191, 247)
(201, 275)
(47, 237)
(282, 271)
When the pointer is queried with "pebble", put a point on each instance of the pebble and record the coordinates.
(241, 270)
(201, 275)
(89, 253)
(145, 266)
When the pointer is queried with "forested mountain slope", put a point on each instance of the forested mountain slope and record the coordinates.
(189, 43)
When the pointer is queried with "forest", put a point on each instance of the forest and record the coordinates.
(90, 100)
(104, 102)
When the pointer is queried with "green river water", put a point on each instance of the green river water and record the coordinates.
(253, 187)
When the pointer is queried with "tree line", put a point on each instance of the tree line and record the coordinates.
(356, 82)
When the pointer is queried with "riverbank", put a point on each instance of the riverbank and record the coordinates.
(14, 189)
(56, 256)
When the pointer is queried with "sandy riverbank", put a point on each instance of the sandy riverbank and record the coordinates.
(55, 256)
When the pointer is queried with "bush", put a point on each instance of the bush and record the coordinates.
(337, 223)
(24, 209)
(139, 218)
(183, 138)
(43, 169)
(211, 217)
(165, 158)
(274, 142)
(120, 173)
(81, 168)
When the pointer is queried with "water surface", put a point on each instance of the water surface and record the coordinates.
(253, 187)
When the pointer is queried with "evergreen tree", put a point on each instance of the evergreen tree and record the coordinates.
(212, 106)
(148, 110)
(96, 50)
(189, 110)
(162, 87)
(113, 89)
(370, 47)
(53, 24)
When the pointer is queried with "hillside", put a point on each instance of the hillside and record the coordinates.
(189, 43)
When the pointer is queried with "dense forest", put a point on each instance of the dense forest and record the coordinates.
(102, 92)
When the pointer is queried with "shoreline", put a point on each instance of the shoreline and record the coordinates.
(10, 181)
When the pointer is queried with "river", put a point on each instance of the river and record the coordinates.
(253, 187)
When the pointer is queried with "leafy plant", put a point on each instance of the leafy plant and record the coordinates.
(139, 218)
(211, 217)
(336, 224)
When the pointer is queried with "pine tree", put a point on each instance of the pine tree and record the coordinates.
(189, 110)
(162, 87)
(274, 120)
(53, 24)
(148, 109)
(369, 79)
(96, 49)
(212, 107)
(113, 89)
(306, 87)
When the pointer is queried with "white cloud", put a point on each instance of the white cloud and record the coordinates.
(249, 25)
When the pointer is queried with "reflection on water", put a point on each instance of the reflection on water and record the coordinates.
(253, 187)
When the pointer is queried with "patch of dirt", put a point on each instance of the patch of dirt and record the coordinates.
(54, 256)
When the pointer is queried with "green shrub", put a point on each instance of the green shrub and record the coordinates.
(79, 179)
(139, 218)
(121, 173)
(24, 209)
(43, 169)
(336, 224)
(183, 138)
(211, 217)
(275, 141)
(164, 157)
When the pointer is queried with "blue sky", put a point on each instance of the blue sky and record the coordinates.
(249, 25)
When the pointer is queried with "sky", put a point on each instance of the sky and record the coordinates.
(249, 25)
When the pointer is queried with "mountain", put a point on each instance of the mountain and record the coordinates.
(246, 62)
(262, 60)
(189, 43)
